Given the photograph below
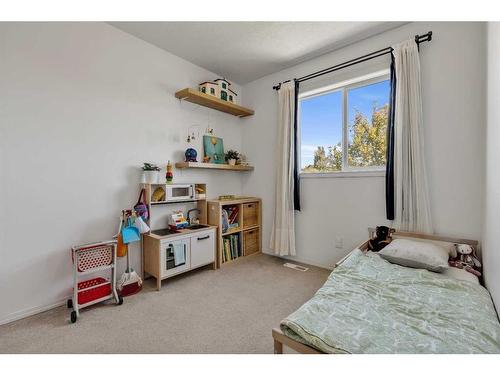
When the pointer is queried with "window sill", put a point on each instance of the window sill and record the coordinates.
(344, 174)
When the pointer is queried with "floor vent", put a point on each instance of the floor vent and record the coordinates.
(296, 267)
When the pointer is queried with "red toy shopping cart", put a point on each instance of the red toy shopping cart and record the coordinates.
(88, 259)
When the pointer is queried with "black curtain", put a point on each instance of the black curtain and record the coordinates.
(389, 173)
(296, 179)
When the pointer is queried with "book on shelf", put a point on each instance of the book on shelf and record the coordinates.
(229, 218)
(234, 214)
(226, 250)
(233, 255)
(231, 248)
(236, 247)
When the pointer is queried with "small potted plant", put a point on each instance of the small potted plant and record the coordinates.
(232, 157)
(151, 173)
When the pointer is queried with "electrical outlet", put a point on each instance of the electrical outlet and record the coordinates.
(339, 242)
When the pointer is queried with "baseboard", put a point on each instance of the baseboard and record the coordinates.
(12, 317)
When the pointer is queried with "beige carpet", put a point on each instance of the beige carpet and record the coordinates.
(231, 310)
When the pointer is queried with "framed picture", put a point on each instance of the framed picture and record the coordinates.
(214, 149)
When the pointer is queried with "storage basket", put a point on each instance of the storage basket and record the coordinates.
(95, 288)
(94, 257)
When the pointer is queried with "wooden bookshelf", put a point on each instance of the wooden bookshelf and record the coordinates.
(232, 231)
(249, 230)
(227, 167)
(198, 97)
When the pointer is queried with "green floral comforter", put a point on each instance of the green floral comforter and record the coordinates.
(369, 305)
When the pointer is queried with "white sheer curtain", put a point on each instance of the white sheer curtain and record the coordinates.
(283, 232)
(412, 208)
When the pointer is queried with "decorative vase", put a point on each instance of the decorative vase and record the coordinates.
(151, 177)
(232, 161)
(191, 154)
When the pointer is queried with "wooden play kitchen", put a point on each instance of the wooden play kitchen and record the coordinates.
(228, 229)
(168, 252)
(245, 237)
(195, 246)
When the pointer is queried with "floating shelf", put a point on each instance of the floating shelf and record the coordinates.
(190, 164)
(197, 97)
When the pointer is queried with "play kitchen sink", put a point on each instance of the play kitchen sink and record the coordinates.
(164, 232)
(168, 231)
(197, 226)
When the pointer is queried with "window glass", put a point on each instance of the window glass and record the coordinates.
(368, 110)
(333, 141)
(321, 133)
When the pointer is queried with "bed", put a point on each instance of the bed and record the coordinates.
(369, 305)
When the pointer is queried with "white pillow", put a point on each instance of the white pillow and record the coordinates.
(416, 254)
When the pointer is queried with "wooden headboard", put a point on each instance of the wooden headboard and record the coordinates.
(432, 237)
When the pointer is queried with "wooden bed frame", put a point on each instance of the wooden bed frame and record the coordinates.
(279, 337)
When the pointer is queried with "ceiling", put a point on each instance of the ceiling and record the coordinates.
(245, 51)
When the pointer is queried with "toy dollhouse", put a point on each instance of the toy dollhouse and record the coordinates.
(210, 88)
(220, 89)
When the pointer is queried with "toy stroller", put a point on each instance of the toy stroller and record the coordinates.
(88, 259)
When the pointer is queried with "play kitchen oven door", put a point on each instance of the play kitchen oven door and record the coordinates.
(175, 257)
(179, 192)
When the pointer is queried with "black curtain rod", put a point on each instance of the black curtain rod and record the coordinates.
(384, 51)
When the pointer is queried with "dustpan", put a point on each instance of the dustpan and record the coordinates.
(130, 282)
(130, 233)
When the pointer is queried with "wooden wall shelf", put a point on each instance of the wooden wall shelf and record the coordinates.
(197, 97)
(190, 164)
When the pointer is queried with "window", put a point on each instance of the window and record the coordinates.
(203, 89)
(343, 127)
(230, 98)
(224, 86)
(223, 95)
(212, 91)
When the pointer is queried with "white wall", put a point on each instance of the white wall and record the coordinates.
(491, 235)
(453, 79)
(82, 105)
